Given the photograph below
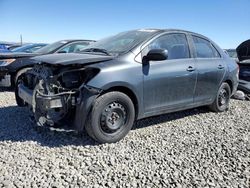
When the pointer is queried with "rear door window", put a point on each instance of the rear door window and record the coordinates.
(204, 48)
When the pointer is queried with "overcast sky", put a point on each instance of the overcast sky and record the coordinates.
(225, 21)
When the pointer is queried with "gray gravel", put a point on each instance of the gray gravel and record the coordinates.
(194, 148)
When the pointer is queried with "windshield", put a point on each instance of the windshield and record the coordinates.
(28, 48)
(121, 42)
(51, 47)
(22, 48)
(232, 53)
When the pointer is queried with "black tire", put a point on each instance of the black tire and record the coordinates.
(20, 102)
(221, 102)
(111, 117)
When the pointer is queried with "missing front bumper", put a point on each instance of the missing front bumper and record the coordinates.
(46, 102)
(80, 106)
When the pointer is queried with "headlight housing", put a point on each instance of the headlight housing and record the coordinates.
(75, 78)
(5, 62)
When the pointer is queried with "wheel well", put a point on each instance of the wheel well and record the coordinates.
(14, 74)
(128, 92)
(230, 83)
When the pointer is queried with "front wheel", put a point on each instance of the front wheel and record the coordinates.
(221, 102)
(111, 118)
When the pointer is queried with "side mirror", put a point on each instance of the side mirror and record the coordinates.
(157, 55)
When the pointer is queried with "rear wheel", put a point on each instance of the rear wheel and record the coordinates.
(111, 118)
(221, 102)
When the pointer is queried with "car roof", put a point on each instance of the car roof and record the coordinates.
(172, 30)
(33, 44)
(76, 40)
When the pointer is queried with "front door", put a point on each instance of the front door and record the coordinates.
(169, 84)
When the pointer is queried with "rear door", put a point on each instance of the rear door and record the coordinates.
(211, 70)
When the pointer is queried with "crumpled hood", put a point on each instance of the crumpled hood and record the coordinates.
(243, 50)
(16, 55)
(71, 58)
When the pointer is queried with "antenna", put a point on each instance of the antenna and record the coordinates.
(21, 39)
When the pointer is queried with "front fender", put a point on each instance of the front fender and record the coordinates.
(128, 75)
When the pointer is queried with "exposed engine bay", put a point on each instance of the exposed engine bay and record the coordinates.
(54, 93)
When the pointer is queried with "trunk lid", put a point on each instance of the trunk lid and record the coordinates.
(243, 51)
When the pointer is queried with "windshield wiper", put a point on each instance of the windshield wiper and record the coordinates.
(96, 50)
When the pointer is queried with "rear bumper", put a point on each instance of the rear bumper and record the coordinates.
(244, 86)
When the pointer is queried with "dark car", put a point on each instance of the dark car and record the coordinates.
(8, 45)
(243, 53)
(3, 48)
(232, 53)
(126, 77)
(13, 65)
(14, 46)
(29, 48)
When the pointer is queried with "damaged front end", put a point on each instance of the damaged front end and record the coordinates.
(58, 96)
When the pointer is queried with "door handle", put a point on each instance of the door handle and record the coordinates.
(190, 69)
(220, 67)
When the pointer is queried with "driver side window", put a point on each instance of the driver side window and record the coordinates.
(175, 44)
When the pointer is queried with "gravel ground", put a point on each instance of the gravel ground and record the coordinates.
(194, 148)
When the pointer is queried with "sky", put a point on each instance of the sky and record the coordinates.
(227, 22)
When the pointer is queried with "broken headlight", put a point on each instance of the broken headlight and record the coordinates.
(75, 78)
